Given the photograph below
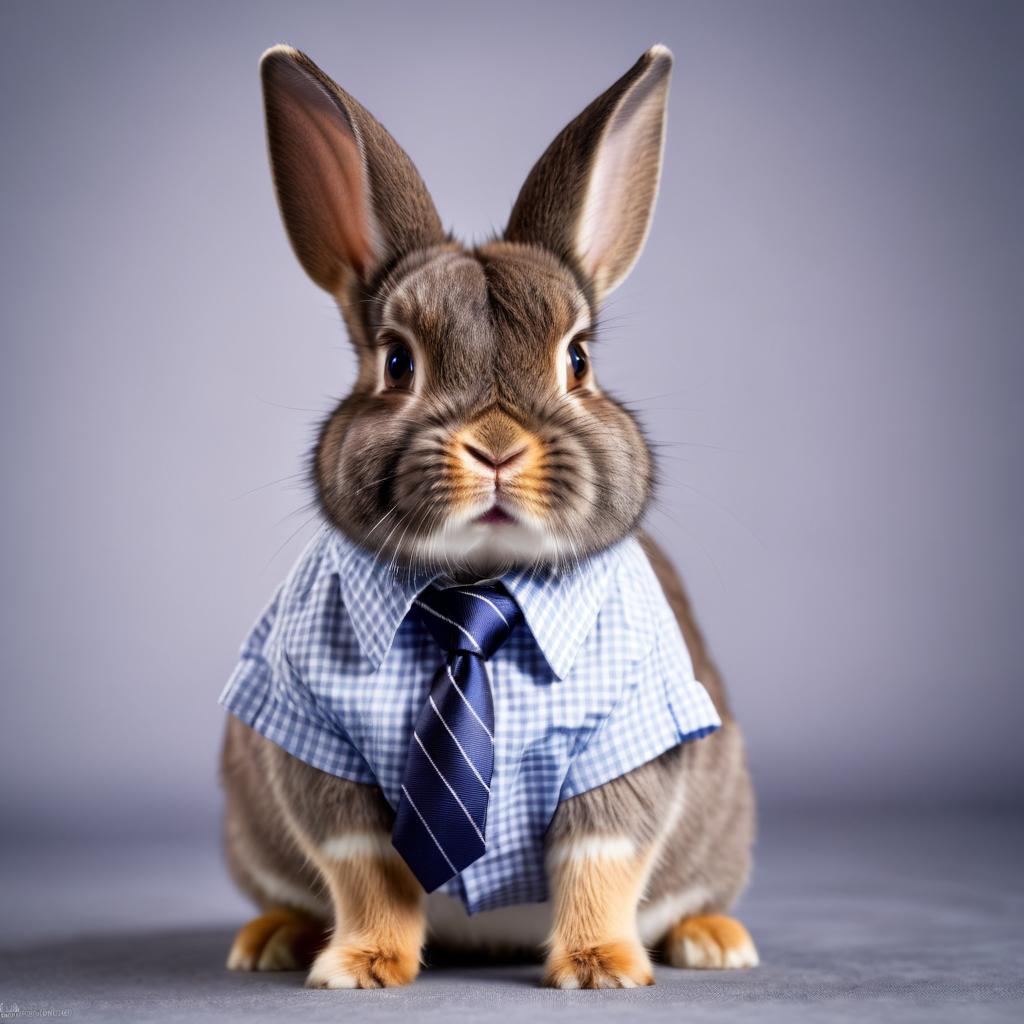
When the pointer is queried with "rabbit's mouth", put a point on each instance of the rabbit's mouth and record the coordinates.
(489, 542)
(495, 515)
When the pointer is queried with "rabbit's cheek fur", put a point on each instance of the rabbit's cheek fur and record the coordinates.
(412, 490)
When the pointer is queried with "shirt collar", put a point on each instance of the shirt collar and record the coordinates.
(560, 608)
(377, 596)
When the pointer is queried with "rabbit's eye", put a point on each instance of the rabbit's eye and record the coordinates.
(398, 366)
(578, 362)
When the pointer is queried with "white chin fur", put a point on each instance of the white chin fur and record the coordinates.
(489, 545)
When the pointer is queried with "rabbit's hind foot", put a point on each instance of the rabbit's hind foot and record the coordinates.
(281, 939)
(711, 941)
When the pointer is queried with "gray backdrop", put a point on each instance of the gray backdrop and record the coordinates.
(834, 275)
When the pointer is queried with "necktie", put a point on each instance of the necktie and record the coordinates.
(442, 811)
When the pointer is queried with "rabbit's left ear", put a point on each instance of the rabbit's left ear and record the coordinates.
(590, 197)
(351, 199)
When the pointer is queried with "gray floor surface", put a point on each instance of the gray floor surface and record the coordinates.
(867, 916)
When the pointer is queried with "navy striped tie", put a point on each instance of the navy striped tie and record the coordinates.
(440, 827)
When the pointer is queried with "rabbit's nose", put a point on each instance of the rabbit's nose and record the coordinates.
(494, 443)
(493, 462)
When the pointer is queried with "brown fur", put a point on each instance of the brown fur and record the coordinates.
(492, 411)
(384, 467)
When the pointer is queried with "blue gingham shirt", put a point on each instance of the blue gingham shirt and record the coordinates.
(597, 682)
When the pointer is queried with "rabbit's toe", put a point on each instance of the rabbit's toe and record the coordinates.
(607, 965)
(711, 941)
(279, 940)
(350, 965)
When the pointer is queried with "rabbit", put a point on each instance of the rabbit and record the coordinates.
(650, 861)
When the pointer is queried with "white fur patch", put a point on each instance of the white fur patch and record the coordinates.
(592, 848)
(469, 544)
(351, 845)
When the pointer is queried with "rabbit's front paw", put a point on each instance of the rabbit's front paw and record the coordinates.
(606, 965)
(351, 965)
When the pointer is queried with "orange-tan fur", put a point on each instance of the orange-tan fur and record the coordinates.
(518, 454)
(380, 924)
(595, 943)
(281, 939)
(710, 941)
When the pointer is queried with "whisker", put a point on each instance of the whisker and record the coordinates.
(289, 539)
(290, 408)
(272, 483)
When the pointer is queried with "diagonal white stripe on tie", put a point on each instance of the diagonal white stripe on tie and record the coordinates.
(472, 710)
(430, 831)
(451, 622)
(458, 799)
(472, 766)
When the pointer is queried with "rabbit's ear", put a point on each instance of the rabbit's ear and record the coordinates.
(590, 196)
(351, 199)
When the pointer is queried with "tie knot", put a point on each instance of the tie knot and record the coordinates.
(474, 619)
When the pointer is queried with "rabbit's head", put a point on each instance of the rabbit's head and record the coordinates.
(477, 436)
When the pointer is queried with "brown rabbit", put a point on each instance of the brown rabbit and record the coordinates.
(476, 440)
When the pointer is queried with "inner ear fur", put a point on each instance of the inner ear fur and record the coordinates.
(590, 197)
(351, 199)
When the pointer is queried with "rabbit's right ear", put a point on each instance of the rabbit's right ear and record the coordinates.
(350, 197)
(590, 197)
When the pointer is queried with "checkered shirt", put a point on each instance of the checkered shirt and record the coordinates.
(597, 682)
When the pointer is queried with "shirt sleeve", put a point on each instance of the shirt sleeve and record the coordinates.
(267, 694)
(662, 706)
